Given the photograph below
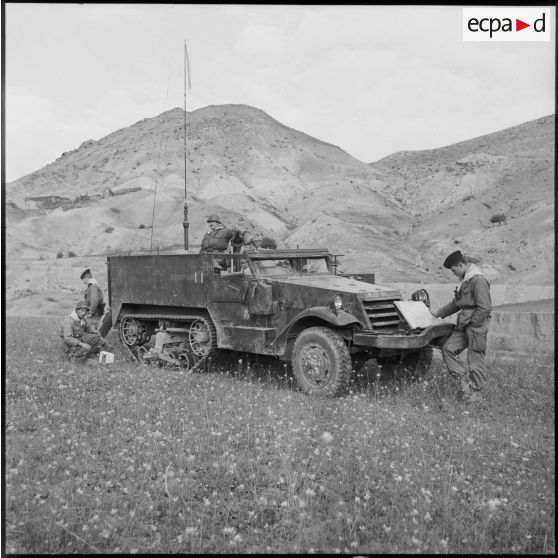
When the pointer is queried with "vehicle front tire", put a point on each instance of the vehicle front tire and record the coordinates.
(321, 362)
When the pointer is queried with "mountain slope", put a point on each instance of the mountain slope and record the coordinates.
(254, 172)
(491, 196)
(398, 217)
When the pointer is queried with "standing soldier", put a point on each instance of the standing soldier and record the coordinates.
(472, 300)
(93, 298)
(217, 239)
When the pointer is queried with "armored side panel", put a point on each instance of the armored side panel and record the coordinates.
(174, 281)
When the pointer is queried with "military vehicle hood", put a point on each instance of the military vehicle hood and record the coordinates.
(339, 284)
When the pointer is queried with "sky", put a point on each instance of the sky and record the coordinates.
(372, 80)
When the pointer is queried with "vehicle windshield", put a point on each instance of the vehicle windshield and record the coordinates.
(290, 267)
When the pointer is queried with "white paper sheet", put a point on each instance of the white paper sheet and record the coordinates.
(416, 313)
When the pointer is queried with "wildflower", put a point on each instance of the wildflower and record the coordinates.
(493, 504)
(229, 530)
(327, 437)
(189, 531)
(236, 539)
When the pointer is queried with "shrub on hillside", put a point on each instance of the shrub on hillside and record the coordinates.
(141, 227)
(71, 254)
(268, 242)
(60, 255)
(498, 218)
(109, 229)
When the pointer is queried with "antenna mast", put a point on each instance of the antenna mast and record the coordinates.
(187, 85)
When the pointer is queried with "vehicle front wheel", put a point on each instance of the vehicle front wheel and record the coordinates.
(321, 362)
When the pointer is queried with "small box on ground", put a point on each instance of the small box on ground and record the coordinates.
(106, 358)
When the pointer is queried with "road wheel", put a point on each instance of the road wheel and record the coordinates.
(202, 337)
(321, 362)
(417, 364)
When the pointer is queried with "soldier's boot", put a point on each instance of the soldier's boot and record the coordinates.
(465, 390)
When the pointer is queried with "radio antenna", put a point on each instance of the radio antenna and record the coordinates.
(187, 86)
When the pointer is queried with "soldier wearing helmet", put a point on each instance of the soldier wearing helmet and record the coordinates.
(79, 335)
(217, 239)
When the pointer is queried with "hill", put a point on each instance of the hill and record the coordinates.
(397, 217)
(491, 196)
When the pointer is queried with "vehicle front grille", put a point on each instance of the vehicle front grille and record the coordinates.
(382, 314)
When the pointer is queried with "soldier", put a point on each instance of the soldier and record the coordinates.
(472, 300)
(217, 239)
(93, 298)
(79, 336)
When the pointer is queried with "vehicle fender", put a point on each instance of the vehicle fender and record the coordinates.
(337, 319)
(116, 312)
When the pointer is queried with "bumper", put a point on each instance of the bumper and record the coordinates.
(412, 341)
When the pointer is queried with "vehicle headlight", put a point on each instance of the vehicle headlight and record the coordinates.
(338, 302)
(422, 295)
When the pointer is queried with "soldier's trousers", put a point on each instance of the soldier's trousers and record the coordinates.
(92, 339)
(474, 340)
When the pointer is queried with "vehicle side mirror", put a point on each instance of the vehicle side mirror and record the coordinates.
(260, 299)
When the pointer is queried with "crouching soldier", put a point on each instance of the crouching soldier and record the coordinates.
(80, 337)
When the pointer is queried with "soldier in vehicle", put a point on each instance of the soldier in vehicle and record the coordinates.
(472, 300)
(79, 336)
(93, 298)
(217, 239)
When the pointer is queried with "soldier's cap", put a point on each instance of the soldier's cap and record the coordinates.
(82, 306)
(213, 218)
(86, 272)
(453, 259)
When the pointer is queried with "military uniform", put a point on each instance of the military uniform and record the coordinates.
(216, 240)
(75, 331)
(94, 299)
(472, 300)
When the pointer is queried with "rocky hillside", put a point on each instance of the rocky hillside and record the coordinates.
(491, 196)
(397, 217)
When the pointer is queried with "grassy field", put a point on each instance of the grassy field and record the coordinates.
(128, 458)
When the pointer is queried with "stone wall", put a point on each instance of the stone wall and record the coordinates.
(522, 332)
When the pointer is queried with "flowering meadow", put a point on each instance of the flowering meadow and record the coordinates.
(129, 458)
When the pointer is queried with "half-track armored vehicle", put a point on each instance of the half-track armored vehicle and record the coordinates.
(291, 304)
